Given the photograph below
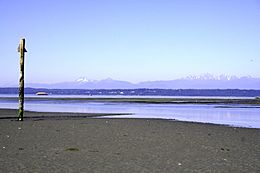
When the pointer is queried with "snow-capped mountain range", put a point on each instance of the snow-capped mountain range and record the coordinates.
(205, 81)
(208, 76)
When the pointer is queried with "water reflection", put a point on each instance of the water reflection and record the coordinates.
(245, 117)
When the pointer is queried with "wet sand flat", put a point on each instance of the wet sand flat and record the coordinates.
(83, 144)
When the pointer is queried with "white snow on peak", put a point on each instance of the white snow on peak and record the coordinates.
(208, 76)
(84, 79)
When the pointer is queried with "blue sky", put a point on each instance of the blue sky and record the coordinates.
(132, 40)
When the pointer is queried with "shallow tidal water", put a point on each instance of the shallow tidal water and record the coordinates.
(234, 115)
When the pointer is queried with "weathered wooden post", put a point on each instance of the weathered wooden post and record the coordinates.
(21, 50)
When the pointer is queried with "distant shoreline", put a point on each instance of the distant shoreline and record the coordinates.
(226, 101)
(140, 92)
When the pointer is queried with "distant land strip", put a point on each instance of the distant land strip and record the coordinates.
(247, 101)
(140, 92)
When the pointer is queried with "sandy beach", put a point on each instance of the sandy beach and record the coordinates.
(85, 144)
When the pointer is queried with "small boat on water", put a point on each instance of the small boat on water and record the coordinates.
(41, 94)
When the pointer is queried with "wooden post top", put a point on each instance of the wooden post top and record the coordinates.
(21, 47)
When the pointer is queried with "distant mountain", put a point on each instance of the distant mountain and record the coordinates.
(209, 76)
(84, 83)
(206, 81)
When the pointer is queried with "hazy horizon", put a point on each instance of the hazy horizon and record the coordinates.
(204, 81)
(137, 40)
(205, 76)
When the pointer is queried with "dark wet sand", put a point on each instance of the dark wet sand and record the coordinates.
(124, 145)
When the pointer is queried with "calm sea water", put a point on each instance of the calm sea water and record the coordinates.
(234, 116)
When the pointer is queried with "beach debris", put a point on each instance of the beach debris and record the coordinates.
(7, 136)
(179, 164)
(223, 149)
(3, 147)
(72, 149)
(19, 128)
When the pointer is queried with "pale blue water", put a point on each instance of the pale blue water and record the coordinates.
(242, 117)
